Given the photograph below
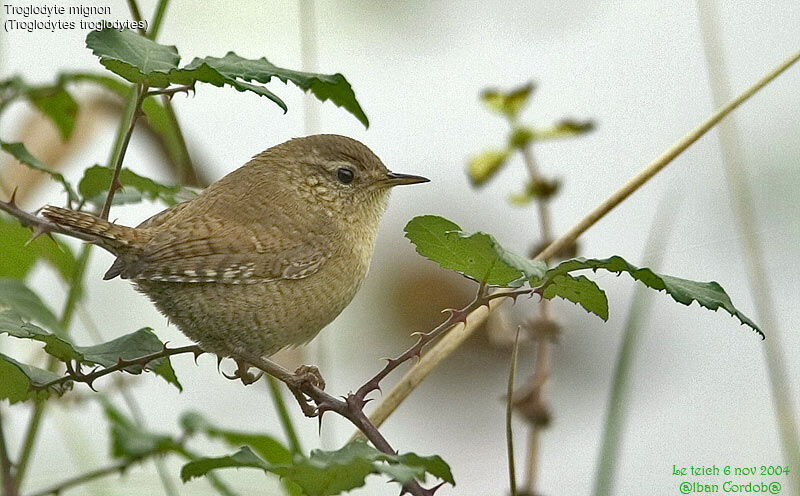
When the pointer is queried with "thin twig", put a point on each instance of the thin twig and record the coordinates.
(83, 478)
(141, 90)
(512, 471)
(453, 340)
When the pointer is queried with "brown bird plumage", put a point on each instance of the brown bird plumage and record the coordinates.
(265, 257)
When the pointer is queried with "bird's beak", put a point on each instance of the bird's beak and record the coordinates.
(395, 179)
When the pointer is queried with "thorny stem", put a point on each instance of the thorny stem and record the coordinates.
(351, 408)
(379, 415)
(140, 93)
(171, 91)
(74, 374)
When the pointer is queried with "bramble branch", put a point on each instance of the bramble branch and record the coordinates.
(74, 373)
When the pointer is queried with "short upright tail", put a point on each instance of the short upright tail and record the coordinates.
(103, 233)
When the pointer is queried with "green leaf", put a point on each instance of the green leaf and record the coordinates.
(57, 104)
(331, 472)
(22, 154)
(54, 101)
(19, 380)
(707, 294)
(19, 306)
(16, 296)
(267, 447)
(131, 441)
(578, 290)
(144, 61)
(130, 347)
(508, 103)
(18, 253)
(134, 57)
(478, 256)
(244, 458)
(94, 184)
(483, 166)
(564, 129)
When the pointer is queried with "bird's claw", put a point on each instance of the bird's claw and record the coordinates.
(243, 374)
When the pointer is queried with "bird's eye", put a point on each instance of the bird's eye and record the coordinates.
(345, 175)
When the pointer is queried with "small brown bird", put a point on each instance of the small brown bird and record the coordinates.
(265, 257)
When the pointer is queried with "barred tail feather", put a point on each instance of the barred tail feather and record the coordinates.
(110, 236)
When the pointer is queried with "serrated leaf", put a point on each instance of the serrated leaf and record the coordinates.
(129, 347)
(563, 129)
(94, 184)
(333, 87)
(508, 103)
(707, 294)
(18, 253)
(144, 61)
(22, 154)
(19, 379)
(482, 167)
(244, 458)
(579, 290)
(478, 256)
(134, 57)
(331, 472)
(131, 441)
(267, 447)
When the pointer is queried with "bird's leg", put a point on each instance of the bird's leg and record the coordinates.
(243, 373)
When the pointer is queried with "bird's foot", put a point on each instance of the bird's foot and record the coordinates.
(243, 374)
(309, 374)
(306, 375)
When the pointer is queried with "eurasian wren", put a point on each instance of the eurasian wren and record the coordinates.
(265, 257)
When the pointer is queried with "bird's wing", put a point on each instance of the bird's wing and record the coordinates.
(209, 249)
